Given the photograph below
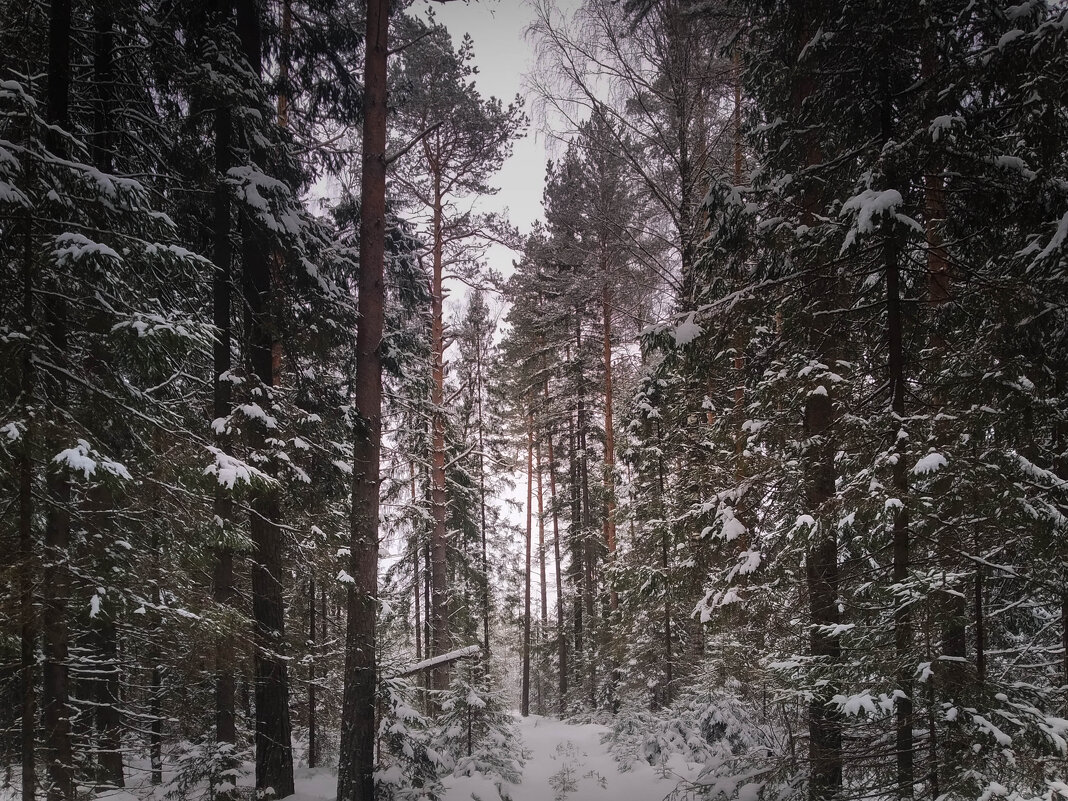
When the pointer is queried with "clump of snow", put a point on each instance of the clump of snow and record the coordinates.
(930, 463)
(78, 459)
(254, 411)
(687, 331)
(231, 471)
(867, 207)
(72, 247)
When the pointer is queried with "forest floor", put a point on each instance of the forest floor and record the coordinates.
(568, 762)
(564, 762)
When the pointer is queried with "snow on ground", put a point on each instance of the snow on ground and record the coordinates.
(564, 762)
(567, 762)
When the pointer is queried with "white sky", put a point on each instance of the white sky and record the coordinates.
(503, 55)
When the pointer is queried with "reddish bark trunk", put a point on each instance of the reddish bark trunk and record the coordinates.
(356, 759)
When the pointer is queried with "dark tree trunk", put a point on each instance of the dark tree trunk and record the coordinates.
(609, 438)
(902, 612)
(543, 663)
(439, 602)
(588, 548)
(525, 703)
(577, 571)
(416, 583)
(313, 737)
(356, 760)
(106, 673)
(274, 749)
(903, 707)
(485, 584)
(56, 575)
(155, 703)
(665, 565)
(821, 558)
(561, 636)
(224, 593)
(27, 560)
(482, 503)
(27, 551)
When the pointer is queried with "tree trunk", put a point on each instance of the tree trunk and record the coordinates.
(101, 500)
(439, 612)
(609, 443)
(356, 760)
(953, 614)
(665, 565)
(155, 681)
(902, 611)
(224, 592)
(482, 499)
(543, 667)
(274, 749)
(525, 708)
(588, 550)
(56, 575)
(577, 571)
(561, 637)
(821, 558)
(27, 555)
(313, 751)
(416, 584)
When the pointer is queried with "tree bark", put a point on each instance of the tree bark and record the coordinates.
(415, 579)
(952, 611)
(313, 737)
(903, 707)
(482, 498)
(274, 749)
(356, 760)
(525, 703)
(27, 549)
(588, 549)
(665, 565)
(543, 668)
(821, 558)
(56, 574)
(439, 611)
(224, 592)
(577, 571)
(609, 441)
(561, 637)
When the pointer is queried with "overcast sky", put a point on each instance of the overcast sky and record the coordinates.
(503, 55)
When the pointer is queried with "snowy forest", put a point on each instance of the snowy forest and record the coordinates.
(742, 475)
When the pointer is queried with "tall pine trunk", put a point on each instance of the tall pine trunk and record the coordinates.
(224, 593)
(525, 701)
(55, 594)
(561, 636)
(439, 611)
(485, 583)
(543, 665)
(577, 569)
(903, 707)
(105, 674)
(821, 557)
(356, 760)
(313, 734)
(609, 439)
(26, 553)
(274, 748)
